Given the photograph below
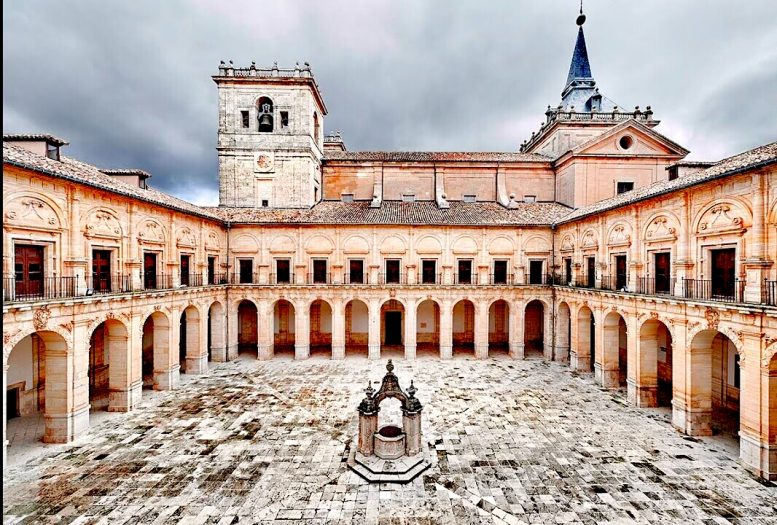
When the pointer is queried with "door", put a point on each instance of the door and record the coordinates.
(211, 270)
(282, 271)
(428, 271)
(465, 272)
(185, 270)
(393, 328)
(356, 271)
(662, 273)
(535, 272)
(392, 271)
(12, 403)
(723, 272)
(246, 271)
(28, 269)
(319, 271)
(567, 270)
(621, 276)
(101, 270)
(149, 270)
(500, 272)
(591, 275)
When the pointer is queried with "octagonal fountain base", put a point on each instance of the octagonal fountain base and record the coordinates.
(376, 470)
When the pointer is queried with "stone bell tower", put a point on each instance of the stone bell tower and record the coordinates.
(270, 138)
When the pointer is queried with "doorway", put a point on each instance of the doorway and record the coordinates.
(723, 272)
(393, 328)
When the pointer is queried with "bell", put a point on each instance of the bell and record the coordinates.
(265, 121)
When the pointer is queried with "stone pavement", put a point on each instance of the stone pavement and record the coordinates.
(266, 442)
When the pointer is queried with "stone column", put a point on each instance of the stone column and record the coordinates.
(63, 420)
(368, 425)
(547, 333)
(124, 392)
(338, 329)
(514, 321)
(410, 330)
(636, 393)
(518, 346)
(197, 344)
(301, 331)
(757, 451)
(166, 368)
(218, 344)
(757, 265)
(599, 344)
(481, 329)
(265, 331)
(411, 424)
(373, 336)
(691, 403)
(5, 419)
(233, 322)
(446, 330)
(607, 364)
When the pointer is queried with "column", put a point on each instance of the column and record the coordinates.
(166, 368)
(124, 393)
(446, 329)
(757, 450)
(692, 405)
(265, 331)
(757, 263)
(514, 321)
(547, 331)
(63, 420)
(5, 422)
(481, 329)
(368, 425)
(599, 344)
(410, 329)
(301, 331)
(518, 348)
(218, 343)
(196, 344)
(338, 329)
(373, 339)
(233, 332)
(639, 390)
(411, 424)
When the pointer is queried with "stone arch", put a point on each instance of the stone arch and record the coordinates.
(321, 319)
(661, 226)
(726, 215)
(30, 209)
(10, 340)
(357, 326)
(619, 234)
(216, 337)
(589, 240)
(392, 327)
(319, 245)
(463, 327)
(356, 244)
(393, 244)
(499, 327)
(501, 245)
(190, 356)
(158, 370)
(535, 314)
(109, 380)
(585, 347)
(568, 243)
(428, 245)
(563, 332)
(613, 358)
(245, 243)
(151, 231)
(428, 331)
(464, 245)
(654, 374)
(247, 313)
(284, 330)
(536, 244)
(102, 222)
(185, 237)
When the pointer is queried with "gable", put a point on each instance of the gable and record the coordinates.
(628, 140)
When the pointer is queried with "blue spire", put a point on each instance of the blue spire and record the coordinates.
(580, 68)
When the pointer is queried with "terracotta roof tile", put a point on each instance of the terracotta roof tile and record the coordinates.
(433, 156)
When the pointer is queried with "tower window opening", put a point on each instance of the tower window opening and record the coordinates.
(244, 117)
(265, 115)
(623, 187)
(284, 119)
(265, 203)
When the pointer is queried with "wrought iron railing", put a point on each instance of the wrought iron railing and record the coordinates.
(159, 281)
(392, 278)
(319, 278)
(707, 289)
(38, 289)
(435, 278)
(356, 278)
(770, 292)
(97, 285)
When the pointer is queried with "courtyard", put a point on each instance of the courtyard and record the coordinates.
(266, 442)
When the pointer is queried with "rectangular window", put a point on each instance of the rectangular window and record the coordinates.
(212, 270)
(185, 270)
(282, 271)
(470, 198)
(621, 273)
(500, 272)
(101, 271)
(284, 119)
(663, 272)
(673, 174)
(535, 272)
(623, 187)
(246, 271)
(567, 270)
(346, 197)
(530, 198)
(265, 203)
(393, 271)
(428, 271)
(591, 275)
(245, 119)
(320, 275)
(356, 271)
(464, 271)
(149, 270)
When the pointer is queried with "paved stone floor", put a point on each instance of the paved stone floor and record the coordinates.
(266, 442)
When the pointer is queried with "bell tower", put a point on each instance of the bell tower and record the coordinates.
(270, 138)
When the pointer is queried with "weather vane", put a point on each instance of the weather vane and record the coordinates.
(581, 16)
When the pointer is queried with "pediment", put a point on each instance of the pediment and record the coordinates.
(631, 138)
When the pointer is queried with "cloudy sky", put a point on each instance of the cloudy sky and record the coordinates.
(128, 83)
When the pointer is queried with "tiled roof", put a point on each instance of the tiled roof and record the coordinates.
(433, 156)
(126, 171)
(76, 171)
(35, 136)
(398, 212)
(752, 159)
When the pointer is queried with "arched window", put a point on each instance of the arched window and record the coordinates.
(316, 128)
(265, 114)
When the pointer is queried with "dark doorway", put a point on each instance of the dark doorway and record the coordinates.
(621, 275)
(392, 271)
(182, 343)
(500, 272)
(28, 268)
(535, 272)
(723, 272)
(319, 271)
(12, 403)
(592, 341)
(185, 270)
(662, 262)
(282, 271)
(246, 271)
(567, 270)
(101, 270)
(149, 270)
(591, 268)
(356, 271)
(465, 272)
(211, 270)
(428, 271)
(393, 334)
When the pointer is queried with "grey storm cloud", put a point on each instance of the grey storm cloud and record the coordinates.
(127, 83)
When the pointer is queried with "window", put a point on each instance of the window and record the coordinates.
(465, 271)
(316, 128)
(500, 272)
(591, 275)
(212, 270)
(529, 198)
(320, 275)
(662, 272)
(356, 271)
(567, 270)
(736, 370)
(244, 117)
(621, 273)
(623, 187)
(346, 197)
(535, 272)
(246, 271)
(282, 271)
(408, 197)
(284, 119)
(149, 270)
(673, 173)
(265, 203)
(185, 270)
(470, 198)
(393, 271)
(265, 115)
(723, 272)
(626, 142)
(52, 151)
(428, 271)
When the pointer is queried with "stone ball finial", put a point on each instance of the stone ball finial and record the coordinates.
(390, 366)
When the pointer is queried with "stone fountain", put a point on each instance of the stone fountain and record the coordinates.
(389, 454)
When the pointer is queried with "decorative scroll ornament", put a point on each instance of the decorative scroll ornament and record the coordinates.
(102, 224)
(186, 237)
(151, 232)
(212, 241)
(31, 211)
(720, 219)
(660, 229)
(41, 317)
(619, 237)
(589, 240)
(713, 318)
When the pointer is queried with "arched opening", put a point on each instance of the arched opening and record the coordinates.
(392, 329)
(534, 329)
(157, 370)
(614, 357)
(714, 386)
(463, 328)
(265, 115)
(390, 413)
(320, 329)
(428, 329)
(499, 328)
(107, 353)
(37, 392)
(563, 332)
(654, 378)
(283, 329)
(189, 340)
(357, 327)
(586, 340)
(316, 128)
(247, 329)
(216, 333)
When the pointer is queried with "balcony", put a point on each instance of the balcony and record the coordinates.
(160, 281)
(39, 289)
(109, 285)
(707, 290)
